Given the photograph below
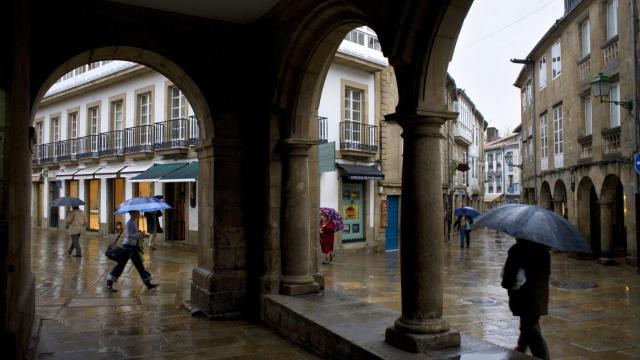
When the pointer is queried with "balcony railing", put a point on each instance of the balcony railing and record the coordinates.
(611, 140)
(172, 134)
(323, 129)
(610, 51)
(358, 136)
(586, 147)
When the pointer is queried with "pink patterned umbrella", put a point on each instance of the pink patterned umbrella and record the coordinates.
(333, 216)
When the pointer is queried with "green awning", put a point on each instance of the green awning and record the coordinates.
(188, 173)
(157, 171)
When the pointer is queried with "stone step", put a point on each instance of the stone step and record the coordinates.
(339, 326)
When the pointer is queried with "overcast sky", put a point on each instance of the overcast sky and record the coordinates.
(494, 32)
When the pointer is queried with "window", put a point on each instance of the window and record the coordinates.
(612, 18)
(356, 36)
(557, 130)
(55, 129)
(72, 125)
(614, 110)
(178, 108)
(39, 133)
(374, 43)
(529, 93)
(556, 64)
(586, 102)
(585, 39)
(353, 104)
(117, 117)
(543, 136)
(94, 126)
(542, 72)
(144, 109)
(523, 100)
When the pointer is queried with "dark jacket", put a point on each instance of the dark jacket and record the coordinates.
(151, 224)
(532, 298)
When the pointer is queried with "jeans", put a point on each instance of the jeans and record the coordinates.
(467, 234)
(463, 235)
(134, 255)
(75, 244)
(531, 337)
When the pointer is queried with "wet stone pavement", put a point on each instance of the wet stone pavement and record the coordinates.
(594, 311)
(79, 319)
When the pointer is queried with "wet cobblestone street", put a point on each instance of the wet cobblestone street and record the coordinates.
(584, 322)
(81, 320)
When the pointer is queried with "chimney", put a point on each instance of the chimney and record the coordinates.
(492, 134)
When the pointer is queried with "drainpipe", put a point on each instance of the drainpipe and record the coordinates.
(634, 117)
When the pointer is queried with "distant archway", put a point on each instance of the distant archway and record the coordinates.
(613, 227)
(560, 199)
(589, 214)
(545, 196)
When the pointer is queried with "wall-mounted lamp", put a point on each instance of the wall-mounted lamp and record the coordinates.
(601, 88)
(508, 158)
(573, 181)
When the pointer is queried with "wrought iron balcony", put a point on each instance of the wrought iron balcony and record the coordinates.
(173, 134)
(358, 137)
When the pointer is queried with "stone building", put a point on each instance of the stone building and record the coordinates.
(577, 149)
(253, 74)
(111, 130)
(502, 157)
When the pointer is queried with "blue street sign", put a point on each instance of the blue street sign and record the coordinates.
(636, 160)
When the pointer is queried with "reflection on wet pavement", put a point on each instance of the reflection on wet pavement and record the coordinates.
(81, 320)
(584, 322)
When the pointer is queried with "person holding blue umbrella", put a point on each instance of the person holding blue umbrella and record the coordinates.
(464, 223)
(131, 243)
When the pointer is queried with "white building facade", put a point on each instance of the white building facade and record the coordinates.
(349, 123)
(503, 171)
(110, 131)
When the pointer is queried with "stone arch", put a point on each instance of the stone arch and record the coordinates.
(588, 213)
(612, 218)
(545, 196)
(560, 200)
(141, 56)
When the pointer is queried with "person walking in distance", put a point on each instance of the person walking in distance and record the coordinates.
(327, 231)
(153, 224)
(461, 225)
(131, 243)
(76, 223)
(526, 278)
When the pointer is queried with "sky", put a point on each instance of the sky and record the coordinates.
(494, 32)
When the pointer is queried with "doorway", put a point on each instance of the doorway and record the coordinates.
(117, 190)
(391, 243)
(175, 217)
(54, 193)
(93, 205)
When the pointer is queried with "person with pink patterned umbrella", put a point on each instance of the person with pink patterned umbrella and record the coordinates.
(327, 231)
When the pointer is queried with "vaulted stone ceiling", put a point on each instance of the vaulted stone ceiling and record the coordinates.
(236, 11)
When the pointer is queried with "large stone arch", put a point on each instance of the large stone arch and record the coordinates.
(141, 56)
(612, 218)
(560, 200)
(545, 196)
(588, 213)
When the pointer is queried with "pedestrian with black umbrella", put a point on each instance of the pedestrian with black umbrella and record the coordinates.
(528, 266)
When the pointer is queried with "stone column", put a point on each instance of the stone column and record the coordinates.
(421, 326)
(557, 206)
(606, 229)
(296, 279)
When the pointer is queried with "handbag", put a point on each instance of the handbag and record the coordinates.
(116, 252)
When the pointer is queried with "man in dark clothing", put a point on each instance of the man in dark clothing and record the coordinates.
(529, 299)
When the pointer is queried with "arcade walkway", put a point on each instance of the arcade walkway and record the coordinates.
(585, 322)
(80, 320)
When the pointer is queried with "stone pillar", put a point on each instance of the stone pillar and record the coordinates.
(296, 279)
(219, 280)
(557, 206)
(606, 228)
(421, 326)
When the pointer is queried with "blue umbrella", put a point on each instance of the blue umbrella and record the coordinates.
(144, 204)
(468, 210)
(66, 201)
(535, 224)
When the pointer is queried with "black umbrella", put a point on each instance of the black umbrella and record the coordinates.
(66, 201)
(535, 224)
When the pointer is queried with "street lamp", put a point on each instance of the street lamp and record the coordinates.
(601, 88)
(508, 158)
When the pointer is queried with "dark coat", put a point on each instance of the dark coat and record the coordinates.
(151, 224)
(532, 298)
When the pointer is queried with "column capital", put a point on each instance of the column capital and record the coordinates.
(299, 147)
(419, 117)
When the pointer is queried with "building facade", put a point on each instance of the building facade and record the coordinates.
(502, 157)
(349, 117)
(109, 131)
(577, 149)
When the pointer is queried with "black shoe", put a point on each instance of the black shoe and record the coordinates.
(77, 255)
(70, 251)
(151, 286)
(110, 288)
